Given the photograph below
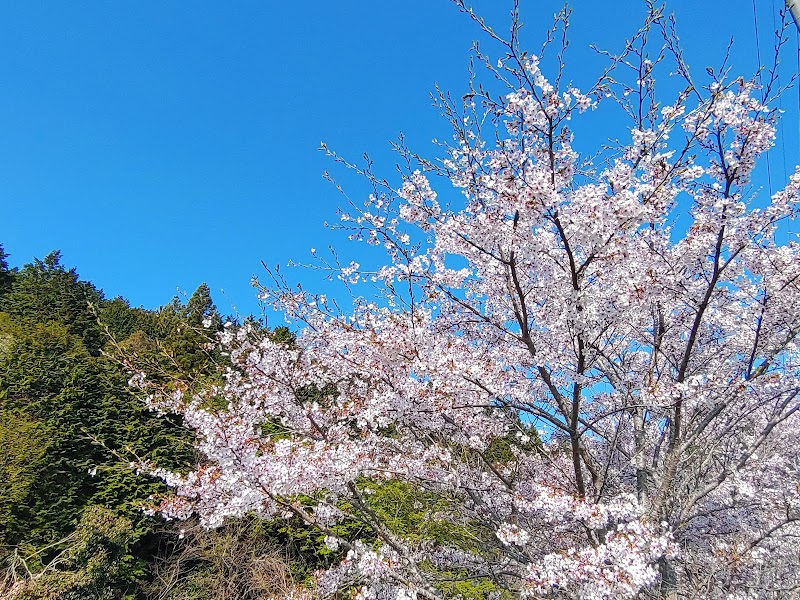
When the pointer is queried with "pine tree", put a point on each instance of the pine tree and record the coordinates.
(44, 291)
(6, 274)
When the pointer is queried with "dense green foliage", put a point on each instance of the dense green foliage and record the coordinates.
(91, 563)
(70, 426)
(5, 272)
(44, 292)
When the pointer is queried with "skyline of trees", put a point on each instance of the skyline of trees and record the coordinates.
(71, 505)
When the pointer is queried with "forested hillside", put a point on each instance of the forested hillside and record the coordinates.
(71, 518)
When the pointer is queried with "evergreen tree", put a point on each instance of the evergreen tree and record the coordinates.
(6, 274)
(201, 309)
(44, 291)
(177, 341)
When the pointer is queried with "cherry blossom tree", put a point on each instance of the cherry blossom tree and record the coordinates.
(589, 364)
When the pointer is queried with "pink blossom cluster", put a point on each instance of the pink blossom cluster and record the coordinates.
(597, 365)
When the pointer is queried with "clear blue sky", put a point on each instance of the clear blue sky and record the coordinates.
(159, 145)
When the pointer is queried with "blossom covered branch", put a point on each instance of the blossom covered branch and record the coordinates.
(594, 364)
